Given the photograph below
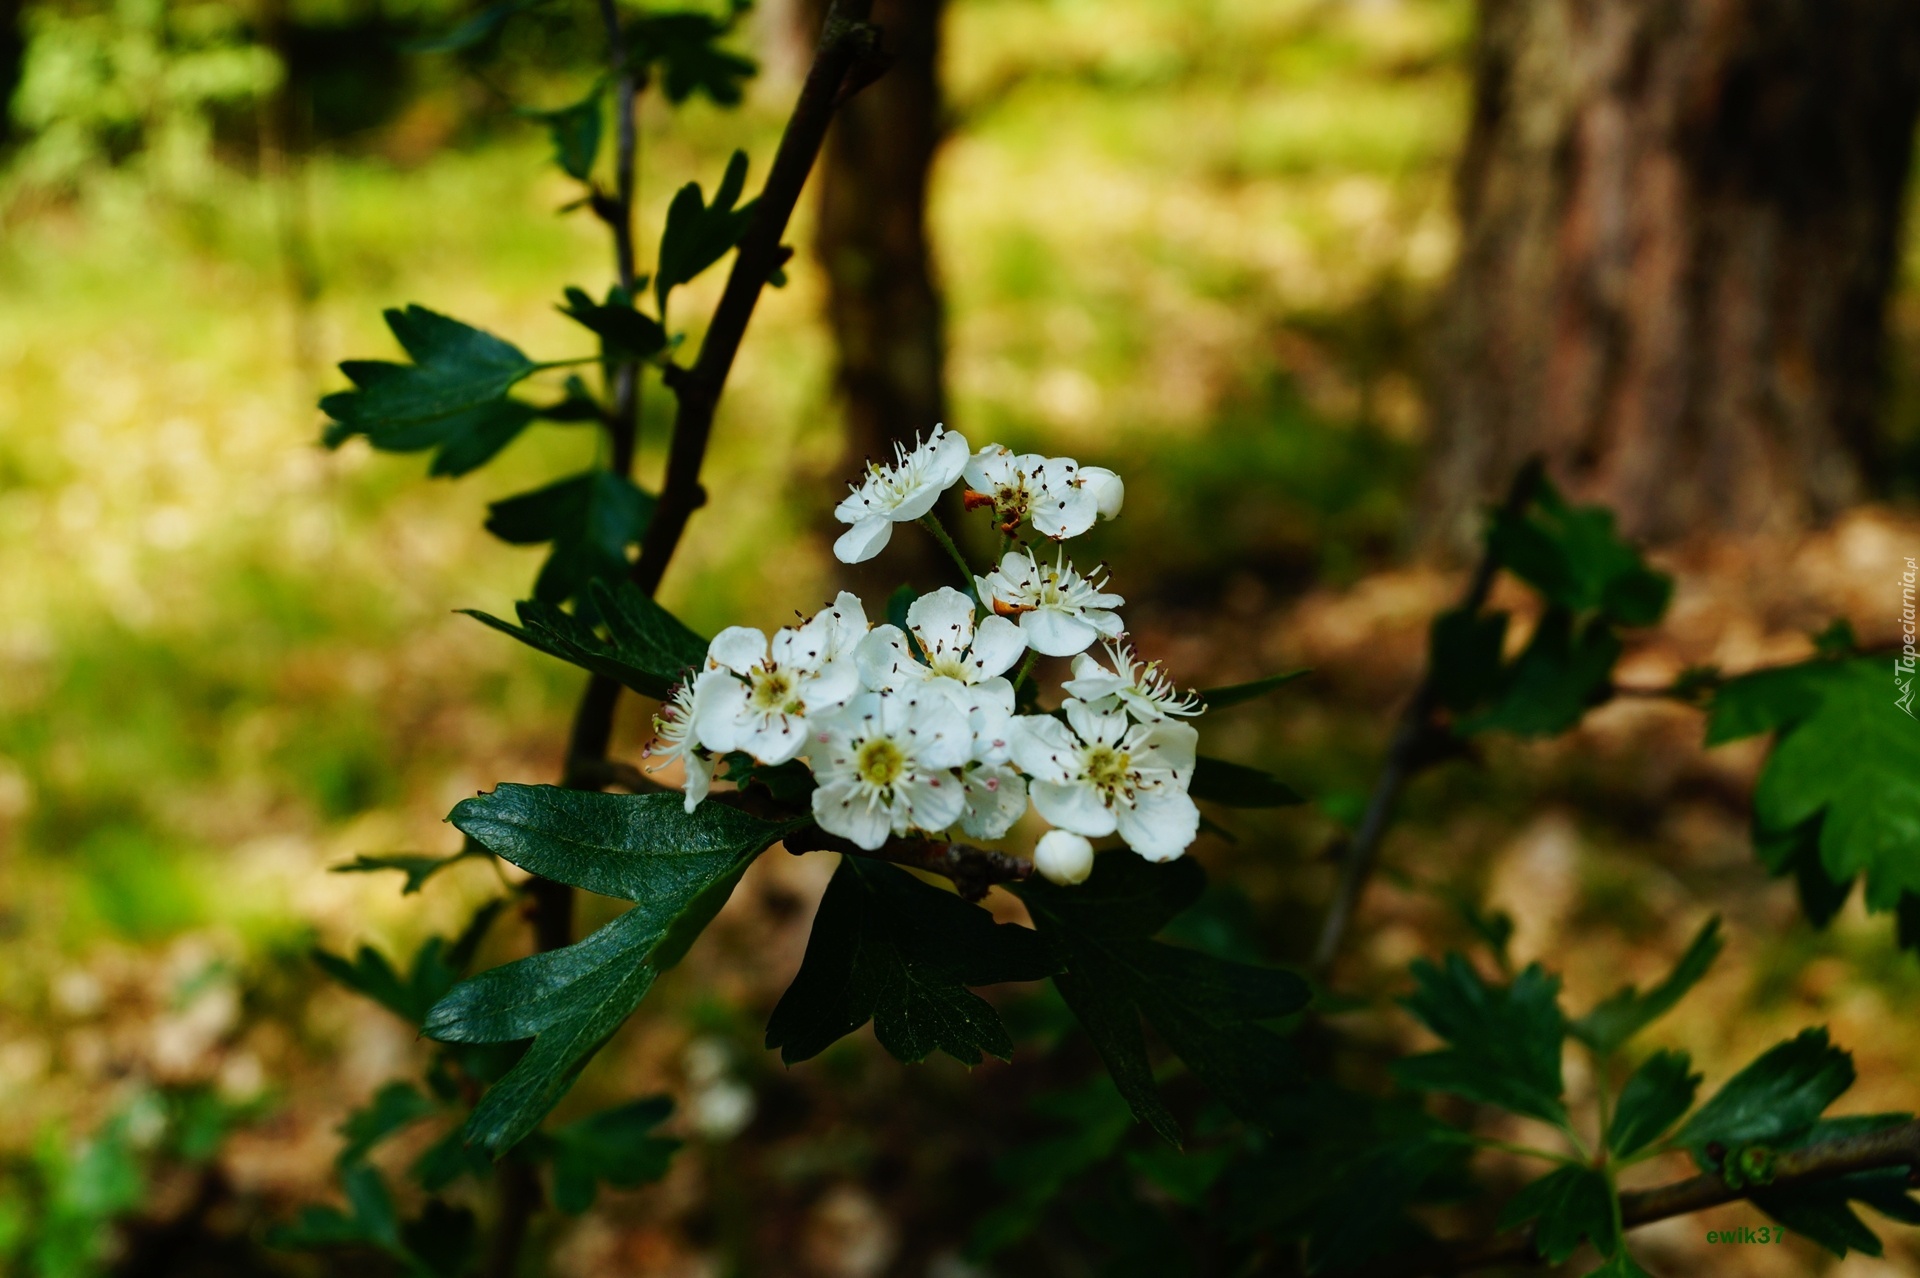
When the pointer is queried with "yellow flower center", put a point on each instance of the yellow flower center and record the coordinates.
(880, 763)
(950, 665)
(1107, 769)
(773, 692)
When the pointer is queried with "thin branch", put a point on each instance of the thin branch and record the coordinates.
(1869, 1151)
(845, 38)
(1415, 745)
(973, 870)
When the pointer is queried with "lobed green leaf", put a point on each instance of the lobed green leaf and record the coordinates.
(1625, 1013)
(1572, 1205)
(1503, 1041)
(1774, 1101)
(1653, 1100)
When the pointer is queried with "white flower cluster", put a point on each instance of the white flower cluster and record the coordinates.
(916, 731)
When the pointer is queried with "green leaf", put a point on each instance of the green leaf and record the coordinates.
(1820, 1209)
(1653, 1100)
(623, 331)
(1774, 1101)
(591, 519)
(1565, 669)
(1095, 1118)
(435, 968)
(616, 1146)
(575, 130)
(474, 30)
(370, 1221)
(699, 234)
(1620, 1265)
(1765, 701)
(1625, 1013)
(443, 1240)
(1853, 762)
(417, 868)
(447, 1160)
(1236, 785)
(678, 867)
(889, 948)
(1504, 1041)
(647, 648)
(393, 1107)
(1464, 651)
(1572, 1204)
(1208, 1010)
(1184, 1175)
(1234, 694)
(452, 397)
(683, 46)
(1573, 556)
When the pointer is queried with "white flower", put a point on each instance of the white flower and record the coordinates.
(996, 798)
(955, 648)
(889, 495)
(674, 740)
(885, 766)
(1060, 611)
(1063, 857)
(1101, 774)
(761, 704)
(1057, 495)
(1144, 689)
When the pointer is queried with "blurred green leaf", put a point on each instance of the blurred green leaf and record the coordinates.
(1234, 694)
(474, 30)
(1095, 1119)
(683, 46)
(1236, 785)
(1463, 657)
(889, 948)
(623, 330)
(1565, 669)
(447, 1160)
(616, 1146)
(591, 519)
(1625, 1013)
(1572, 1204)
(1654, 1098)
(1573, 557)
(452, 397)
(1620, 1265)
(1503, 1041)
(417, 868)
(679, 868)
(393, 1107)
(443, 1240)
(1820, 1209)
(647, 648)
(1774, 1101)
(1206, 1009)
(699, 234)
(575, 131)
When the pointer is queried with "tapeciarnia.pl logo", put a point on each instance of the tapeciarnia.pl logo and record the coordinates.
(1904, 663)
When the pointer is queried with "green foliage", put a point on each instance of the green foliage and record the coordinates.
(1238, 693)
(624, 332)
(435, 967)
(1235, 785)
(889, 948)
(575, 130)
(1576, 560)
(1821, 1209)
(1503, 1041)
(1654, 1098)
(1625, 1013)
(439, 1243)
(1573, 1205)
(679, 868)
(1772, 1102)
(452, 398)
(647, 648)
(699, 234)
(1207, 1010)
(417, 868)
(616, 1146)
(393, 1107)
(475, 29)
(591, 519)
(684, 48)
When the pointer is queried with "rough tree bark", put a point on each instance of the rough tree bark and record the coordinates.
(883, 302)
(1680, 222)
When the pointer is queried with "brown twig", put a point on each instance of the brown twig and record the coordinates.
(1869, 1151)
(1416, 744)
(973, 870)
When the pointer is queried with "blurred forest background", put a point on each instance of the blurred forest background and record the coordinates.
(1313, 275)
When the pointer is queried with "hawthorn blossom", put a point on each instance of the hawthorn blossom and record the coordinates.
(1063, 857)
(996, 798)
(892, 494)
(1143, 688)
(674, 739)
(954, 647)
(762, 702)
(885, 765)
(1060, 611)
(1097, 773)
(1057, 495)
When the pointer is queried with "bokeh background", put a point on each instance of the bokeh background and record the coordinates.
(1216, 245)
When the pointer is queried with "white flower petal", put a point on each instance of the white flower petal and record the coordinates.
(738, 648)
(864, 540)
(774, 738)
(1091, 680)
(1093, 726)
(841, 808)
(1109, 491)
(1044, 748)
(1160, 824)
(1062, 511)
(996, 799)
(1057, 633)
(719, 715)
(1166, 745)
(1063, 857)
(942, 622)
(1073, 807)
(699, 780)
(929, 802)
(997, 645)
(884, 662)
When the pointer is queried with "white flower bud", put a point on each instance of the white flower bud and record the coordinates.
(1063, 857)
(1108, 490)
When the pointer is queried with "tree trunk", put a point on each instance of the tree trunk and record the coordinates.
(882, 302)
(1680, 222)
